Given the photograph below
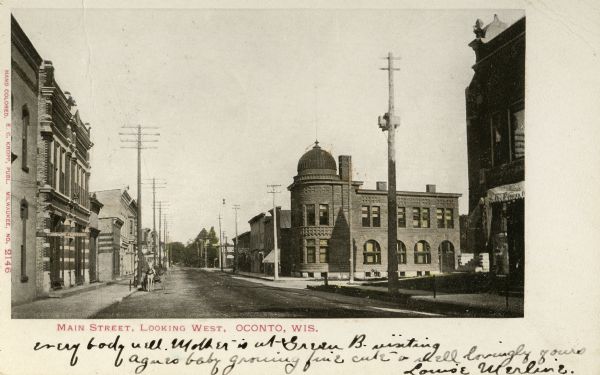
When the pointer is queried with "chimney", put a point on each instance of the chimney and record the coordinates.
(430, 188)
(382, 186)
(345, 166)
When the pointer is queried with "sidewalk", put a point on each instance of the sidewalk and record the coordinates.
(476, 304)
(79, 303)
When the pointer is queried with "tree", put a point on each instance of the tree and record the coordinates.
(177, 252)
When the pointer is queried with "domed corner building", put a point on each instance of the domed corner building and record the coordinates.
(321, 239)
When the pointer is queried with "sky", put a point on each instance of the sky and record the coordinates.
(239, 95)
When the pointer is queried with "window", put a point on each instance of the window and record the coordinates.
(372, 253)
(323, 251)
(517, 130)
(500, 143)
(401, 217)
(422, 253)
(401, 252)
(439, 215)
(424, 217)
(366, 216)
(24, 217)
(56, 165)
(445, 217)
(310, 251)
(376, 216)
(51, 163)
(310, 215)
(62, 170)
(416, 217)
(449, 218)
(25, 122)
(323, 214)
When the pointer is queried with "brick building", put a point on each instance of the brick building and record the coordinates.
(27, 262)
(118, 238)
(51, 183)
(324, 202)
(495, 101)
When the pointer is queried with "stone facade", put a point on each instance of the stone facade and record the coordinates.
(495, 106)
(320, 230)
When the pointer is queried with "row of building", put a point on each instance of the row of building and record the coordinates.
(334, 223)
(62, 235)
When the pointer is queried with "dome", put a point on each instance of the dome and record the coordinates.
(317, 160)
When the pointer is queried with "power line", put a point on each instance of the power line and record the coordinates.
(139, 145)
(389, 122)
(276, 262)
(236, 207)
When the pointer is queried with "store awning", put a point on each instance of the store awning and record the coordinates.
(506, 193)
(271, 257)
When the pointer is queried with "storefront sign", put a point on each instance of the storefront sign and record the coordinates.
(506, 193)
(67, 234)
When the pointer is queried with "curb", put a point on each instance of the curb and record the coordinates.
(461, 309)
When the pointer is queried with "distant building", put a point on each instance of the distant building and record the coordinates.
(261, 256)
(321, 236)
(51, 147)
(242, 242)
(118, 222)
(495, 101)
(95, 207)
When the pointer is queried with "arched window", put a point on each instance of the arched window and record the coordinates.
(372, 253)
(422, 253)
(446, 256)
(401, 252)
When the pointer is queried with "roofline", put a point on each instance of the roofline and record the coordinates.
(413, 193)
(27, 48)
(257, 217)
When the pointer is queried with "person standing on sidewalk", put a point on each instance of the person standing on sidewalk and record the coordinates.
(150, 278)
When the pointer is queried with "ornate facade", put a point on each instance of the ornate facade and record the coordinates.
(333, 219)
(495, 102)
(53, 150)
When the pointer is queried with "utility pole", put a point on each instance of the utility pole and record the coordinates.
(139, 145)
(389, 122)
(220, 243)
(221, 240)
(162, 206)
(276, 262)
(166, 242)
(160, 184)
(350, 244)
(236, 207)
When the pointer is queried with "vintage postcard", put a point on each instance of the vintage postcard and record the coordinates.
(308, 187)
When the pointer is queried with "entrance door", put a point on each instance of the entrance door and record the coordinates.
(56, 281)
(446, 255)
(516, 241)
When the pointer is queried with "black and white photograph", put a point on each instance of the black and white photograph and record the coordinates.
(320, 187)
(156, 152)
